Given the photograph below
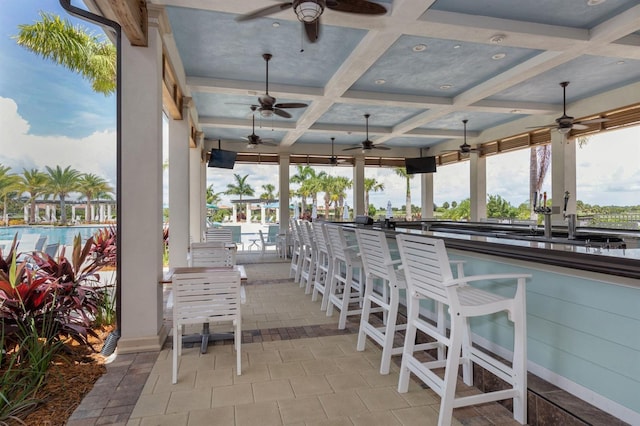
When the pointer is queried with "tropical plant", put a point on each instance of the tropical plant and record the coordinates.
(9, 184)
(33, 182)
(212, 197)
(498, 207)
(92, 187)
(303, 174)
(73, 47)
(402, 172)
(269, 192)
(240, 188)
(539, 162)
(61, 184)
(371, 184)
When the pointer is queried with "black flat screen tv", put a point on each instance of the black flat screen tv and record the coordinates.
(222, 159)
(420, 165)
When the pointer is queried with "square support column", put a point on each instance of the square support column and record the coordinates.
(426, 188)
(141, 216)
(478, 186)
(283, 182)
(178, 190)
(563, 174)
(358, 188)
(197, 169)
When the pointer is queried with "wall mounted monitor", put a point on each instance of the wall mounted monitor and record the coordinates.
(222, 159)
(420, 165)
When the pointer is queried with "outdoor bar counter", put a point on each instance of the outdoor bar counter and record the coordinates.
(583, 312)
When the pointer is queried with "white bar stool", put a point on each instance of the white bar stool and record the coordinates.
(428, 275)
(322, 276)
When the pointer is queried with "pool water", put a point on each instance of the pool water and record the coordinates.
(63, 235)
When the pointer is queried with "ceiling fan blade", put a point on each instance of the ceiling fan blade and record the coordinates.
(542, 127)
(264, 11)
(281, 113)
(385, 148)
(267, 143)
(359, 146)
(291, 105)
(362, 7)
(312, 29)
(579, 126)
(592, 121)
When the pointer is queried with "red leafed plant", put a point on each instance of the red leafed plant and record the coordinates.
(58, 298)
(104, 246)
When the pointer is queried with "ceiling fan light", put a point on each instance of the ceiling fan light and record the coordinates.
(251, 145)
(564, 130)
(266, 113)
(308, 10)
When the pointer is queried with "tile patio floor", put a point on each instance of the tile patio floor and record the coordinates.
(297, 369)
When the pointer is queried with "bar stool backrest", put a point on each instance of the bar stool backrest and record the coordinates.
(375, 254)
(224, 235)
(212, 254)
(426, 265)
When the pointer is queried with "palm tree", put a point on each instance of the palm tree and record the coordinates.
(73, 47)
(268, 193)
(61, 184)
(539, 162)
(212, 197)
(9, 183)
(241, 187)
(341, 184)
(304, 173)
(313, 185)
(90, 186)
(33, 182)
(402, 172)
(370, 184)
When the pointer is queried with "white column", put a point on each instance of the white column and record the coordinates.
(53, 214)
(202, 194)
(25, 211)
(73, 213)
(426, 188)
(262, 213)
(101, 210)
(93, 213)
(179, 190)
(248, 212)
(478, 185)
(563, 174)
(358, 188)
(141, 216)
(109, 211)
(47, 213)
(196, 214)
(283, 183)
(234, 212)
(37, 217)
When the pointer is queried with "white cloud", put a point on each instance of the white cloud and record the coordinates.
(95, 153)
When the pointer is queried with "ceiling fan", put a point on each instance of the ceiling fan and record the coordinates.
(465, 148)
(333, 160)
(366, 144)
(255, 140)
(309, 11)
(268, 105)
(566, 123)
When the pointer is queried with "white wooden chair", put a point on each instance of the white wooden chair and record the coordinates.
(345, 289)
(309, 255)
(428, 275)
(212, 297)
(296, 251)
(212, 254)
(322, 274)
(224, 235)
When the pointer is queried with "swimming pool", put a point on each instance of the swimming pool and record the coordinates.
(63, 235)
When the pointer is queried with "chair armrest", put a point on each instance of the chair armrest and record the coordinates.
(472, 278)
(393, 262)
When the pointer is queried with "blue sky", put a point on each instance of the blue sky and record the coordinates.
(50, 116)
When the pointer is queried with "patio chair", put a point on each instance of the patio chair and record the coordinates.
(382, 263)
(322, 274)
(40, 243)
(236, 234)
(344, 288)
(428, 275)
(218, 234)
(266, 241)
(52, 250)
(212, 254)
(206, 297)
(296, 251)
(309, 254)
